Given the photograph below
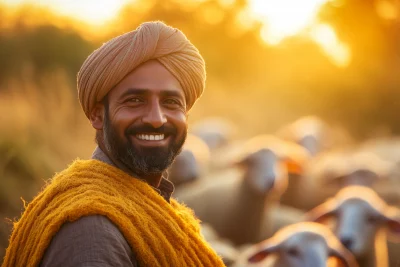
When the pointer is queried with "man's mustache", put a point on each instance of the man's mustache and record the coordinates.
(138, 129)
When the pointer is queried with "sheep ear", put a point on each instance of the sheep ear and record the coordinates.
(262, 251)
(344, 256)
(394, 226)
(393, 222)
(292, 166)
(322, 212)
(239, 161)
(336, 181)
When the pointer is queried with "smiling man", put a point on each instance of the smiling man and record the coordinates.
(141, 123)
(116, 208)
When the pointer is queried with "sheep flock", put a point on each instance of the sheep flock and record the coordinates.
(303, 196)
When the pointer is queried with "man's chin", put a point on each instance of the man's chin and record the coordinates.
(149, 152)
(149, 165)
(149, 160)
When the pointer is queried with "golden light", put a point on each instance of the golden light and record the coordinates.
(280, 19)
(227, 3)
(285, 18)
(325, 36)
(387, 9)
(212, 15)
(94, 12)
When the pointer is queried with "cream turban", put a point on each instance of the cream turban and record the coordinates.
(110, 63)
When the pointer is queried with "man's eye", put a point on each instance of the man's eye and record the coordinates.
(172, 102)
(133, 100)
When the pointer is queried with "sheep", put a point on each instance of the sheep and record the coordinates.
(308, 131)
(303, 244)
(296, 158)
(223, 247)
(335, 170)
(389, 150)
(343, 168)
(238, 206)
(312, 134)
(214, 131)
(191, 163)
(315, 135)
(361, 219)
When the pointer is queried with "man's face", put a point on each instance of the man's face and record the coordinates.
(145, 119)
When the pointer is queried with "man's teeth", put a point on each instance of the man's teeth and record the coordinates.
(150, 137)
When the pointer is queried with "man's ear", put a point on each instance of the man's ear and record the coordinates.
(97, 116)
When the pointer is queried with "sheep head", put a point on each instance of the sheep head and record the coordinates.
(302, 244)
(358, 214)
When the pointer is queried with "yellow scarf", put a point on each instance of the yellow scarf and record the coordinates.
(169, 232)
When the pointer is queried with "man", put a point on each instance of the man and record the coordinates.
(116, 210)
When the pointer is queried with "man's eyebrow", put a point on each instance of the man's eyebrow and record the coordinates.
(143, 91)
(134, 91)
(168, 92)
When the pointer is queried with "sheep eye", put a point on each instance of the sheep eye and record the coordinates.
(294, 252)
(372, 218)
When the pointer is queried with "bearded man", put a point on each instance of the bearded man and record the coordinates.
(116, 208)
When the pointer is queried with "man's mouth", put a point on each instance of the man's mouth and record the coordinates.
(150, 137)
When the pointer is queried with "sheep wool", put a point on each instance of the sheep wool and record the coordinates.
(170, 234)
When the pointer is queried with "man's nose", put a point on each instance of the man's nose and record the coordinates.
(154, 116)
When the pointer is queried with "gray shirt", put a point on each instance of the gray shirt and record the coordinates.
(94, 240)
(89, 241)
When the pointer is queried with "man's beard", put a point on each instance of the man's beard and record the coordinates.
(142, 161)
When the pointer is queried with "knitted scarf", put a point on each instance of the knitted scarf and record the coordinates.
(169, 233)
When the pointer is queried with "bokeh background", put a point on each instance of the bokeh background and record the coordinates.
(269, 62)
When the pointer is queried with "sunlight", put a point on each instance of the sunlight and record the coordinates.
(325, 36)
(285, 18)
(280, 19)
(93, 12)
(387, 10)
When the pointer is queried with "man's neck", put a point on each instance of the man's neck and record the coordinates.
(153, 180)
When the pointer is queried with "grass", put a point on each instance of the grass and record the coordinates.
(42, 129)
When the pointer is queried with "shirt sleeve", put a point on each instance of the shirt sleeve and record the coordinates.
(90, 241)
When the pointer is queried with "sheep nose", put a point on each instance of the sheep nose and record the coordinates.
(347, 242)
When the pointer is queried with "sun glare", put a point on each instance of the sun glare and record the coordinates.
(325, 36)
(280, 19)
(285, 18)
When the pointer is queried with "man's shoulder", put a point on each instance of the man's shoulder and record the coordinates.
(90, 240)
(89, 225)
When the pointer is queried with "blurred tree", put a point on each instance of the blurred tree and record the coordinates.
(43, 49)
(373, 33)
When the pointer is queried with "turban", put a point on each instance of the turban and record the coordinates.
(110, 63)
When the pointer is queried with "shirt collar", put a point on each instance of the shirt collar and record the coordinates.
(165, 189)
